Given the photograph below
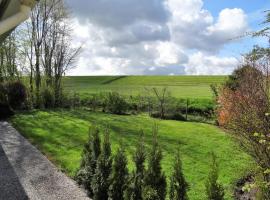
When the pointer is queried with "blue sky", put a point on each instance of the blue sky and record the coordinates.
(167, 37)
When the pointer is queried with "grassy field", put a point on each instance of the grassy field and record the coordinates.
(179, 86)
(61, 135)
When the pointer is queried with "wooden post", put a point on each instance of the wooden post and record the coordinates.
(187, 104)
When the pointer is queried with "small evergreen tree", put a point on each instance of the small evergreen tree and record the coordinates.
(90, 156)
(178, 184)
(135, 190)
(154, 177)
(214, 190)
(101, 182)
(119, 176)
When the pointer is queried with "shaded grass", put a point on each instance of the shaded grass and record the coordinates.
(61, 135)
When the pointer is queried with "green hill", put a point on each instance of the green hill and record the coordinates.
(179, 86)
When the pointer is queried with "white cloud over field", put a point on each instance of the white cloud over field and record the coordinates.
(154, 37)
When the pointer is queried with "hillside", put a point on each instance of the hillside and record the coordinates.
(179, 86)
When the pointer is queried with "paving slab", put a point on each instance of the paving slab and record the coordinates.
(39, 178)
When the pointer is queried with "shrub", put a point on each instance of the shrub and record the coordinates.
(150, 194)
(115, 103)
(16, 93)
(119, 176)
(214, 190)
(135, 189)
(178, 184)
(90, 156)
(5, 110)
(154, 177)
(101, 182)
(48, 97)
(170, 116)
(69, 100)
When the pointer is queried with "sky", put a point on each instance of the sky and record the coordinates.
(164, 37)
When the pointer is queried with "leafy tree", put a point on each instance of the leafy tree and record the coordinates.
(135, 190)
(119, 176)
(90, 156)
(214, 190)
(101, 181)
(154, 177)
(178, 184)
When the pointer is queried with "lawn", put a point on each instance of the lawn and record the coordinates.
(61, 135)
(179, 86)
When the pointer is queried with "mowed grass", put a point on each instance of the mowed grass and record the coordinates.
(179, 86)
(61, 135)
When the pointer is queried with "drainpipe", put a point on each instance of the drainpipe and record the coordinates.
(13, 21)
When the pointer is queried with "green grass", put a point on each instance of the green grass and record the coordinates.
(179, 86)
(62, 134)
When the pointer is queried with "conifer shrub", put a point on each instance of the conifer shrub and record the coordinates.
(178, 184)
(101, 179)
(119, 176)
(154, 177)
(135, 189)
(214, 190)
(90, 156)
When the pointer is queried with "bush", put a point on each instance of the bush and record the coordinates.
(90, 156)
(178, 184)
(135, 189)
(214, 190)
(170, 116)
(154, 177)
(101, 182)
(16, 93)
(69, 100)
(119, 176)
(5, 110)
(48, 97)
(115, 103)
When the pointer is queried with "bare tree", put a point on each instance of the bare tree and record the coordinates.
(48, 46)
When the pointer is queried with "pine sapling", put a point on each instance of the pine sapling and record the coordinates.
(214, 190)
(154, 177)
(101, 182)
(178, 184)
(135, 189)
(119, 176)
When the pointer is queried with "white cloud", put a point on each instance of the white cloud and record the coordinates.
(153, 36)
(195, 28)
(201, 64)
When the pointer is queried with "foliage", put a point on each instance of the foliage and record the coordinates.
(214, 190)
(90, 156)
(119, 176)
(234, 80)
(48, 98)
(16, 94)
(115, 103)
(150, 193)
(154, 177)
(178, 184)
(101, 182)
(135, 190)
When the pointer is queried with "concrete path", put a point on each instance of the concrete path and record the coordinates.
(29, 173)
